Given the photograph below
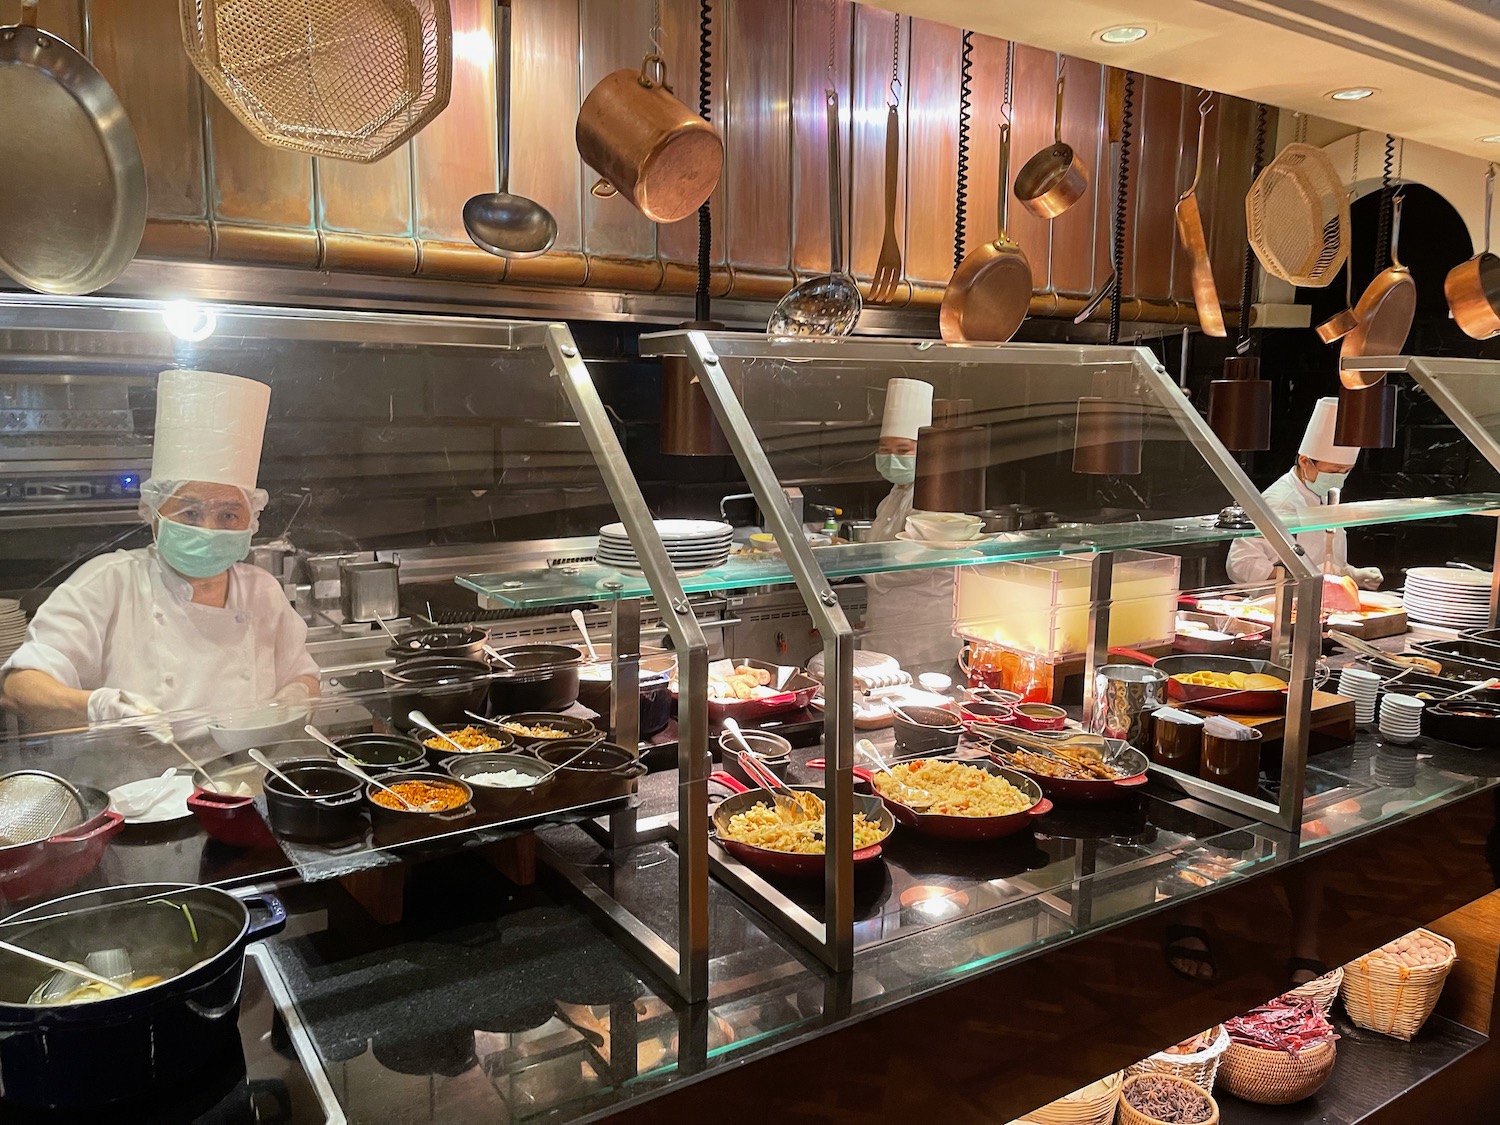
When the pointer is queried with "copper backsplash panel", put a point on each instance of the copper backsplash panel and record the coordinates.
(216, 193)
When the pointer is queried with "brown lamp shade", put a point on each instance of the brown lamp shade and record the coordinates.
(952, 457)
(1108, 438)
(688, 425)
(1239, 405)
(1367, 417)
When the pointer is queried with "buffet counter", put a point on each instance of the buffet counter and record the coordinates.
(488, 1000)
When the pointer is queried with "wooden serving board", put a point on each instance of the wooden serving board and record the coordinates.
(1379, 625)
(1332, 718)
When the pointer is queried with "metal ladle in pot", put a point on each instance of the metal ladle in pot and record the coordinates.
(261, 760)
(421, 720)
(828, 305)
(349, 767)
(504, 224)
(61, 966)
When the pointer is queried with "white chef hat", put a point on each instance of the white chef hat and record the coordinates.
(1318, 442)
(209, 427)
(908, 408)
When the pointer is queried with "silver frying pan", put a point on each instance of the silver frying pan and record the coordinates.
(72, 184)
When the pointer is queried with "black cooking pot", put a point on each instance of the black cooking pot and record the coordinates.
(398, 825)
(380, 752)
(442, 753)
(1464, 721)
(604, 772)
(596, 690)
(120, 1047)
(442, 687)
(334, 813)
(465, 642)
(534, 678)
(569, 726)
(504, 803)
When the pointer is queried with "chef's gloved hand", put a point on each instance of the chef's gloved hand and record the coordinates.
(1366, 577)
(109, 704)
(293, 694)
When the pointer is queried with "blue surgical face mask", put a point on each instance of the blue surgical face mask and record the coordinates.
(898, 468)
(1324, 483)
(200, 552)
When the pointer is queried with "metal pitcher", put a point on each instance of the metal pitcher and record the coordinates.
(1124, 694)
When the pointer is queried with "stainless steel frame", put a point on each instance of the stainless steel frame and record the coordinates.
(685, 967)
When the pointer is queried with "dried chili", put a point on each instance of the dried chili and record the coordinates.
(1289, 1023)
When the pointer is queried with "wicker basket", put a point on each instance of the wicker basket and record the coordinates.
(1391, 999)
(1129, 1115)
(1199, 1068)
(1275, 1077)
(1093, 1105)
(1322, 991)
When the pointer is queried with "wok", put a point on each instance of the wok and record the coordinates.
(942, 826)
(1251, 702)
(1122, 755)
(1384, 312)
(794, 864)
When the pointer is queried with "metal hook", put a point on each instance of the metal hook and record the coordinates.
(895, 90)
(1206, 103)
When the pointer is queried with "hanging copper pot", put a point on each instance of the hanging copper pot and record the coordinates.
(646, 145)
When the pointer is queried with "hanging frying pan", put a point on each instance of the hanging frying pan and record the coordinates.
(1473, 287)
(1385, 312)
(1195, 242)
(1055, 178)
(988, 295)
(1343, 322)
(73, 188)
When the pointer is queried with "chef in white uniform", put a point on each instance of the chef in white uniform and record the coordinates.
(910, 613)
(1321, 467)
(183, 625)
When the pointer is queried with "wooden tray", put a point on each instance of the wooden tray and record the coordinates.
(1378, 626)
(1332, 717)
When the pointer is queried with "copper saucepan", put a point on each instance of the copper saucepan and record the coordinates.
(1473, 287)
(1195, 242)
(1385, 312)
(646, 145)
(1055, 178)
(1343, 322)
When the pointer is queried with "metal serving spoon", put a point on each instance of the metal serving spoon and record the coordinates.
(427, 724)
(261, 760)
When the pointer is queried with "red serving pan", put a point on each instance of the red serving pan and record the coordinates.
(1242, 636)
(47, 868)
(231, 820)
(1095, 789)
(944, 827)
(1253, 702)
(793, 864)
(797, 691)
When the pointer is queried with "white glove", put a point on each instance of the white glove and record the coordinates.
(293, 694)
(1366, 577)
(108, 704)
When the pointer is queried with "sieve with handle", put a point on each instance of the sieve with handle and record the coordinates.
(34, 805)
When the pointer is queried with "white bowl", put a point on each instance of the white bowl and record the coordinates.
(262, 725)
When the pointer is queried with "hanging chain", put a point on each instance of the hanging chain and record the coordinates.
(656, 28)
(1354, 174)
(1301, 132)
(1010, 71)
(832, 29)
(895, 89)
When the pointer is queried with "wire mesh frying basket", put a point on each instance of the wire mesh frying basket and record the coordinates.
(344, 79)
(35, 805)
(1297, 214)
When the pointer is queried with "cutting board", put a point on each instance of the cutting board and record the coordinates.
(1332, 717)
(1376, 626)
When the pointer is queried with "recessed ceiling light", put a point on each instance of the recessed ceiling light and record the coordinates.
(1353, 94)
(1492, 139)
(1118, 35)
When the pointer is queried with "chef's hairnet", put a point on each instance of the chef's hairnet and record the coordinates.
(155, 493)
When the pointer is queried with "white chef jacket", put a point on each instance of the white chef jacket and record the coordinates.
(126, 620)
(910, 613)
(1253, 560)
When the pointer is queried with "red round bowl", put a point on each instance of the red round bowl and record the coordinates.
(231, 820)
(1040, 716)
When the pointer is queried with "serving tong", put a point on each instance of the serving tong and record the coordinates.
(913, 797)
(795, 805)
(1048, 746)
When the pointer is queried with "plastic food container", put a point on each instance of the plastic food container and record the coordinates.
(1042, 606)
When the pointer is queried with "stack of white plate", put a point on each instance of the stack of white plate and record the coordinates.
(1448, 596)
(1400, 717)
(12, 627)
(1363, 687)
(693, 546)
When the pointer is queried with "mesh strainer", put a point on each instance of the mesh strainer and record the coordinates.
(35, 805)
(347, 79)
(1297, 213)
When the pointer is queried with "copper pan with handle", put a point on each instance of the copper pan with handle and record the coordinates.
(989, 294)
(1385, 312)
(1473, 287)
(1195, 242)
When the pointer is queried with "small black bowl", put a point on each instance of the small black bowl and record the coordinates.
(571, 728)
(1466, 722)
(333, 813)
(439, 753)
(926, 730)
(380, 752)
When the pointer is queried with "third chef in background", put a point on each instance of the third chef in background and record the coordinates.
(1321, 467)
(910, 614)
